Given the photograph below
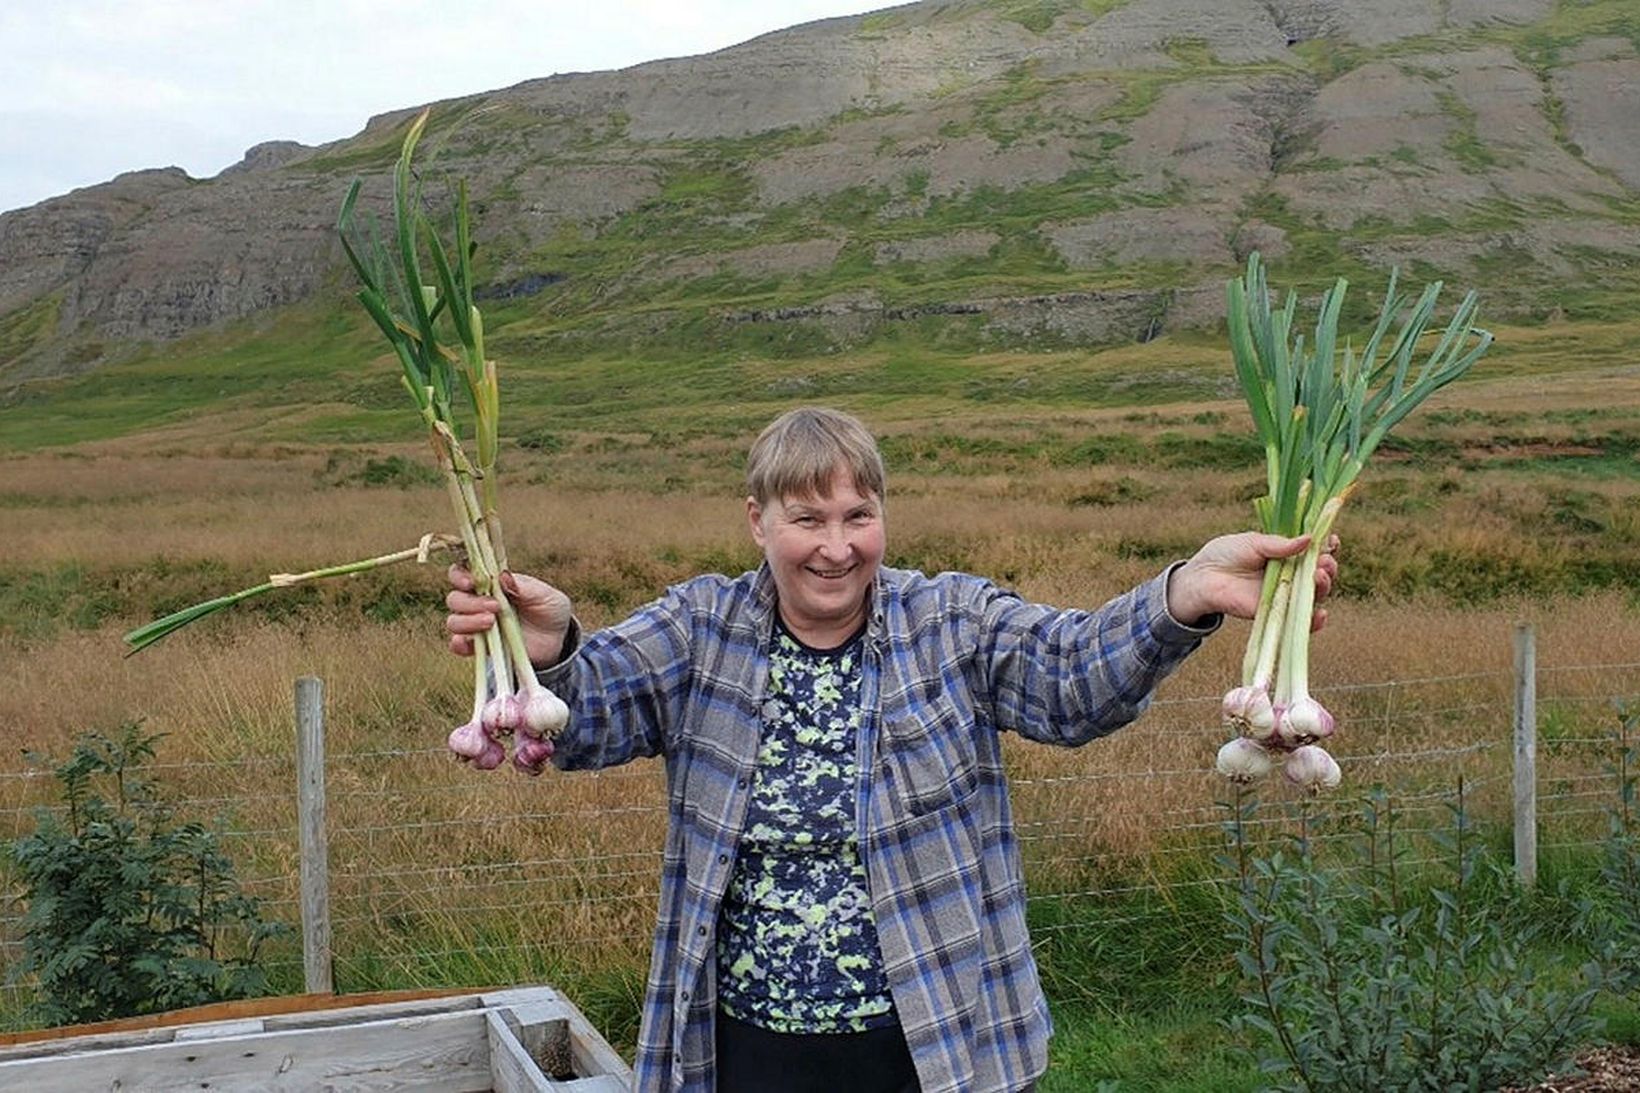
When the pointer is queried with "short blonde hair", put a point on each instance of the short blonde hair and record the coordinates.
(800, 451)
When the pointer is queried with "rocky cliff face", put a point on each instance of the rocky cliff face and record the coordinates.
(1037, 169)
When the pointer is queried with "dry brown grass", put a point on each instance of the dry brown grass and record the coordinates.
(424, 849)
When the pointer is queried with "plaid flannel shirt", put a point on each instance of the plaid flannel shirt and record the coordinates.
(949, 660)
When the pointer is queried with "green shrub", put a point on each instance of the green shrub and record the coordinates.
(1122, 491)
(540, 440)
(1613, 922)
(129, 910)
(395, 471)
(1354, 983)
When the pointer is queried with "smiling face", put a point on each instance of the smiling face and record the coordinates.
(824, 552)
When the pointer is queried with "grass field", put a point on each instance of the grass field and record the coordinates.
(1069, 476)
(634, 378)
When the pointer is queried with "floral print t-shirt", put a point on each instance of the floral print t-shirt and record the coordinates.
(797, 946)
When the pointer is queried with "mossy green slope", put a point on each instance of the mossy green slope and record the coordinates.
(941, 238)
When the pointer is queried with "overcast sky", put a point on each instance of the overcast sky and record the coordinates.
(96, 87)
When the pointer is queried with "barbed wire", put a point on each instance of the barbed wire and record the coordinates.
(1623, 666)
(1058, 849)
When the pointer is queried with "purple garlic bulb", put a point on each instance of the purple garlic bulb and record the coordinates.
(469, 740)
(1304, 722)
(1312, 768)
(1243, 761)
(1248, 711)
(491, 757)
(530, 754)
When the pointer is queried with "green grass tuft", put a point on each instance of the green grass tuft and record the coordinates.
(28, 327)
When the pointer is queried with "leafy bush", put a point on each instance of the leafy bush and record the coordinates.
(393, 471)
(1613, 923)
(1122, 491)
(398, 472)
(129, 911)
(1354, 983)
(540, 440)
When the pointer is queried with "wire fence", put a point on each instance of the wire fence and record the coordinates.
(431, 862)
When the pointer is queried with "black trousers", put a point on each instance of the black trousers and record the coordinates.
(755, 1060)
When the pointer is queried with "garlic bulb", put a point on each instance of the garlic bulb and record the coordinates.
(1243, 761)
(1248, 711)
(1304, 722)
(1311, 768)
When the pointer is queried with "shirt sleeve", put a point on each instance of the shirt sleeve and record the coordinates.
(1069, 676)
(625, 686)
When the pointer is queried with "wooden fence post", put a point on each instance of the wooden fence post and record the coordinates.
(314, 846)
(1525, 754)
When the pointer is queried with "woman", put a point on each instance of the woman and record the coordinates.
(841, 905)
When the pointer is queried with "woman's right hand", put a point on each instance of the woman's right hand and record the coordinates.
(543, 611)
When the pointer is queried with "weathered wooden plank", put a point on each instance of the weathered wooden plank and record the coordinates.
(282, 1015)
(215, 1029)
(245, 1007)
(520, 996)
(412, 1041)
(449, 1053)
(536, 1013)
(114, 1040)
(423, 1007)
(543, 1030)
(592, 1054)
(512, 1070)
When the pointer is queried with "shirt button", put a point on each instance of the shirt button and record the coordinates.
(723, 859)
(685, 996)
(744, 783)
(701, 930)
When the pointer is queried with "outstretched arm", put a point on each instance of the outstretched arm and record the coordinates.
(1069, 676)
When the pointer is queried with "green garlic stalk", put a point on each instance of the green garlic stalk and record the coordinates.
(437, 336)
(144, 636)
(418, 318)
(1320, 411)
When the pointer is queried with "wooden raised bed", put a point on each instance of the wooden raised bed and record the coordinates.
(520, 1040)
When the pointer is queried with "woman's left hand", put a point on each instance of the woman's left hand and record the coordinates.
(1227, 574)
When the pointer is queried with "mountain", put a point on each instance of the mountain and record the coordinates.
(1035, 172)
